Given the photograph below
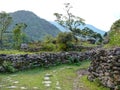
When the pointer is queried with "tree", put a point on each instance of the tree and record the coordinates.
(69, 21)
(114, 34)
(5, 20)
(18, 35)
(88, 33)
(65, 40)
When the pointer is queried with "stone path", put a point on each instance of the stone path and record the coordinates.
(76, 84)
(14, 84)
(47, 82)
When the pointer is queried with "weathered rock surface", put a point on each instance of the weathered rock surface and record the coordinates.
(26, 61)
(105, 66)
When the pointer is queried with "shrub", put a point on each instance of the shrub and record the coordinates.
(49, 47)
(73, 60)
(49, 43)
(114, 34)
(65, 41)
(8, 66)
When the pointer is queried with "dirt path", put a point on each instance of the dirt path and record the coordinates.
(76, 84)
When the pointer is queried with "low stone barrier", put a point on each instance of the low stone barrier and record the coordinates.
(26, 61)
(105, 67)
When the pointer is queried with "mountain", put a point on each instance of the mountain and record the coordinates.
(95, 29)
(59, 26)
(36, 28)
(81, 27)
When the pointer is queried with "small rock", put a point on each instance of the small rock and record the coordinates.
(48, 75)
(69, 67)
(58, 87)
(23, 87)
(47, 85)
(47, 82)
(35, 88)
(13, 75)
(2, 85)
(15, 82)
(46, 78)
(12, 87)
(57, 83)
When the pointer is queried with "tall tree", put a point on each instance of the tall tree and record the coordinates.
(18, 35)
(5, 21)
(89, 33)
(69, 21)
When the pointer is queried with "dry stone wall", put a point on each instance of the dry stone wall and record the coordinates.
(26, 61)
(105, 67)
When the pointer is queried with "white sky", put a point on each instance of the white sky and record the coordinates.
(100, 13)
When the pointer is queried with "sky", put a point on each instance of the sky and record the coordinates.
(100, 13)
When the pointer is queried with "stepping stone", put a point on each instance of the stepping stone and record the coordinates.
(46, 78)
(35, 88)
(69, 68)
(57, 83)
(2, 85)
(12, 87)
(48, 75)
(23, 88)
(13, 75)
(47, 84)
(15, 82)
(58, 87)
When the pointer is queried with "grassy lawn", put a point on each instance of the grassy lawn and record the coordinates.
(91, 85)
(13, 52)
(57, 78)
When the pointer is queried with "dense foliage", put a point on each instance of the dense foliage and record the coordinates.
(65, 41)
(114, 34)
(73, 23)
(36, 28)
(5, 21)
(18, 35)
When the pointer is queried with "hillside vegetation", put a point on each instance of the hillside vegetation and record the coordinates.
(36, 28)
(114, 34)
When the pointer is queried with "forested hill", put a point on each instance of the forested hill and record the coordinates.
(37, 28)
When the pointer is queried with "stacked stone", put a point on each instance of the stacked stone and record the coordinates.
(105, 66)
(26, 61)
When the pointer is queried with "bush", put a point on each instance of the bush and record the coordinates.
(73, 60)
(49, 47)
(65, 41)
(49, 43)
(114, 34)
(7, 65)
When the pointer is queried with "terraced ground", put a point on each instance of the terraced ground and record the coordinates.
(63, 77)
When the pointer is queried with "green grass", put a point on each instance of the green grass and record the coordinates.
(12, 52)
(33, 79)
(92, 85)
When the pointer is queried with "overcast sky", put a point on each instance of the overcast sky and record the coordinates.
(100, 13)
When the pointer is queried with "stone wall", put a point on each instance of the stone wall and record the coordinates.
(26, 61)
(105, 67)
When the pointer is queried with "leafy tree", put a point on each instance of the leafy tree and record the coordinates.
(114, 34)
(48, 39)
(69, 21)
(5, 21)
(18, 35)
(89, 33)
(65, 40)
(49, 43)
